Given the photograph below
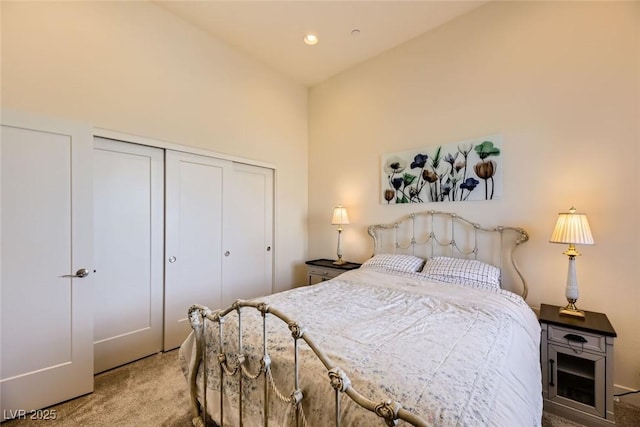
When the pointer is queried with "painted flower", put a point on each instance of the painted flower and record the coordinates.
(429, 176)
(397, 183)
(445, 189)
(419, 161)
(450, 158)
(395, 164)
(487, 149)
(459, 166)
(485, 170)
(455, 177)
(389, 195)
(469, 184)
(465, 148)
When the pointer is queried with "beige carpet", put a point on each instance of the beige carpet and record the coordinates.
(627, 415)
(149, 392)
(153, 392)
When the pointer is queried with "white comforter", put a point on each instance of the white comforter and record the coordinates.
(454, 355)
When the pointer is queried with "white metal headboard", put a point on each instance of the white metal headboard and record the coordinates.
(433, 233)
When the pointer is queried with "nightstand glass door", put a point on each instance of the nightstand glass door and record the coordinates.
(576, 378)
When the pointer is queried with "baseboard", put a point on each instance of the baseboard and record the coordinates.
(633, 399)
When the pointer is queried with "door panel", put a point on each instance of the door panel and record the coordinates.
(577, 379)
(128, 251)
(195, 198)
(248, 270)
(46, 232)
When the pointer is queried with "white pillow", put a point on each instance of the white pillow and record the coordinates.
(462, 271)
(395, 262)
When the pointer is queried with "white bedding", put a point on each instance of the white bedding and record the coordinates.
(454, 355)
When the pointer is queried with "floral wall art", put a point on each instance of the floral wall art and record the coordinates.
(453, 172)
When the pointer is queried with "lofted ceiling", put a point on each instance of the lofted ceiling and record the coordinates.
(273, 31)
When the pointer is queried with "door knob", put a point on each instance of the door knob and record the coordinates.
(83, 272)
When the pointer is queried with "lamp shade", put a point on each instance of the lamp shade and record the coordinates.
(340, 216)
(572, 228)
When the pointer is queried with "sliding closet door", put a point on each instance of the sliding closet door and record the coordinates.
(46, 305)
(248, 262)
(195, 199)
(128, 252)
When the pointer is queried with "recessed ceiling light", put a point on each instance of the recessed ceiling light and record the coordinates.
(355, 32)
(310, 39)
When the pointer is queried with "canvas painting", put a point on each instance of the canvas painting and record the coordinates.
(453, 172)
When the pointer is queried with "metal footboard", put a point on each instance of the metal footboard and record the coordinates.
(391, 412)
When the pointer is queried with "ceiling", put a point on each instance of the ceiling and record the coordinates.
(272, 31)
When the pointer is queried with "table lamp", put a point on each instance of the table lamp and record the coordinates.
(340, 218)
(573, 229)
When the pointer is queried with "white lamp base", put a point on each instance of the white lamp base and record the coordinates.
(339, 261)
(572, 289)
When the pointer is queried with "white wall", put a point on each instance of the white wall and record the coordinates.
(560, 82)
(134, 68)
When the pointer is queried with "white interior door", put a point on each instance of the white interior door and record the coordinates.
(248, 269)
(195, 200)
(128, 251)
(46, 232)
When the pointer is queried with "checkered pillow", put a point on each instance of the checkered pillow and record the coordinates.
(462, 271)
(395, 262)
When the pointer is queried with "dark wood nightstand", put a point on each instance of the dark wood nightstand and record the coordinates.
(577, 366)
(325, 269)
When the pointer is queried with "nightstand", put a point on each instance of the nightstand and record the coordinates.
(577, 366)
(325, 269)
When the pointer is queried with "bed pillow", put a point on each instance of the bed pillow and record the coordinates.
(462, 271)
(395, 262)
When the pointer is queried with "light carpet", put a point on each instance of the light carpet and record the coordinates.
(149, 392)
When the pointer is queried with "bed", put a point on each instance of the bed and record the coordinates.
(428, 332)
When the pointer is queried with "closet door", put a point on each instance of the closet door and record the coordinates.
(46, 305)
(128, 252)
(195, 200)
(248, 261)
